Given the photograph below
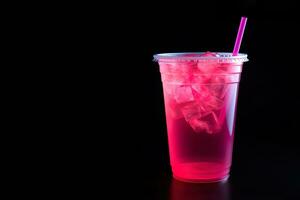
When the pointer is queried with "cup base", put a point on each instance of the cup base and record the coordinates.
(222, 179)
(201, 172)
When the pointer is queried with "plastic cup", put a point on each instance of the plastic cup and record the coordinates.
(200, 96)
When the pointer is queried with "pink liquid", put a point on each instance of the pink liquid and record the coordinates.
(200, 115)
(201, 156)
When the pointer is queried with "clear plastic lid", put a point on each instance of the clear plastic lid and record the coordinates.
(220, 57)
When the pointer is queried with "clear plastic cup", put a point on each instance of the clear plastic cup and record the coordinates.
(200, 95)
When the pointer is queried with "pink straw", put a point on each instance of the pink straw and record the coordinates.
(239, 36)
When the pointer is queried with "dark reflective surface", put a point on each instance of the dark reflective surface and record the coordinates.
(199, 191)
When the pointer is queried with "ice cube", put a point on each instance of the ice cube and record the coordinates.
(209, 54)
(175, 78)
(201, 78)
(187, 67)
(174, 109)
(178, 67)
(198, 125)
(206, 124)
(206, 96)
(169, 89)
(218, 90)
(190, 110)
(180, 78)
(213, 103)
(200, 92)
(183, 94)
(208, 67)
(168, 67)
(219, 79)
(212, 122)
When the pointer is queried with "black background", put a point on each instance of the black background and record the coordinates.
(86, 90)
(266, 159)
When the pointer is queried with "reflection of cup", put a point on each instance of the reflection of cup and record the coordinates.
(202, 191)
(200, 93)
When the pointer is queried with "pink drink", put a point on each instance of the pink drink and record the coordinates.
(200, 93)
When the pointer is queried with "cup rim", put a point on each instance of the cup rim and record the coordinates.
(196, 56)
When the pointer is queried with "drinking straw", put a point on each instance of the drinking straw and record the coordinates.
(239, 36)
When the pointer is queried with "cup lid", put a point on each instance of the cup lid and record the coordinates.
(220, 57)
